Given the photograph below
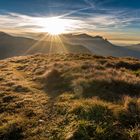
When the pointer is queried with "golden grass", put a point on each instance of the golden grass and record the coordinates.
(69, 97)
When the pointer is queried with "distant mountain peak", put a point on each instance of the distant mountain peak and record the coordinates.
(4, 34)
(84, 35)
(87, 36)
(97, 36)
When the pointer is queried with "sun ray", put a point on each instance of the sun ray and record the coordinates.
(50, 45)
(62, 44)
(36, 44)
(53, 27)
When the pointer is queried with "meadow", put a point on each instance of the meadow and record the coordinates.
(69, 97)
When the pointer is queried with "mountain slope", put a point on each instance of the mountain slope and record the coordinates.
(69, 97)
(134, 47)
(12, 46)
(101, 46)
(66, 43)
(16, 46)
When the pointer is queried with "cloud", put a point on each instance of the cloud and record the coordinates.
(78, 20)
(19, 21)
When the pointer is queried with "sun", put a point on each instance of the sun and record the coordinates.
(55, 26)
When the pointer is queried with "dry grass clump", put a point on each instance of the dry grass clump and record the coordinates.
(131, 115)
(20, 88)
(86, 130)
(128, 65)
(133, 133)
(85, 110)
(53, 81)
(137, 73)
(11, 128)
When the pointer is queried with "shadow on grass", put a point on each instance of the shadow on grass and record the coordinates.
(55, 84)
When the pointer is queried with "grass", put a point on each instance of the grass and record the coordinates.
(69, 97)
(137, 72)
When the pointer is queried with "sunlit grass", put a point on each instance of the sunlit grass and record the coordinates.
(38, 99)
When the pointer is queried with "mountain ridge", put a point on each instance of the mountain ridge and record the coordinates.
(16, 46)
(73, 42)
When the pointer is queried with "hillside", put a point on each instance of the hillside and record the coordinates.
(69, 97)
(100, 46)
(17, 46)
(135, 47)
(66, 43)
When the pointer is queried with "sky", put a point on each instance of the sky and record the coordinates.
(116, 20)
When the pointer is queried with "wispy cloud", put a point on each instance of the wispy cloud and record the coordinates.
(108, 17)
(19, 21)
(87, 19)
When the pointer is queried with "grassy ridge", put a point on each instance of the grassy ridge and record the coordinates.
(70, 96)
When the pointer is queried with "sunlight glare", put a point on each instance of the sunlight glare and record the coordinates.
(55, 26)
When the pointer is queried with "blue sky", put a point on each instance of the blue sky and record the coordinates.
(110, 18)
(46, 7)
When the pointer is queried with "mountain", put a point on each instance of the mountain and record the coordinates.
(101, 46)
(69, 97)
(65, 43)
(12, 46)
(135, 47)
(16, 46)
